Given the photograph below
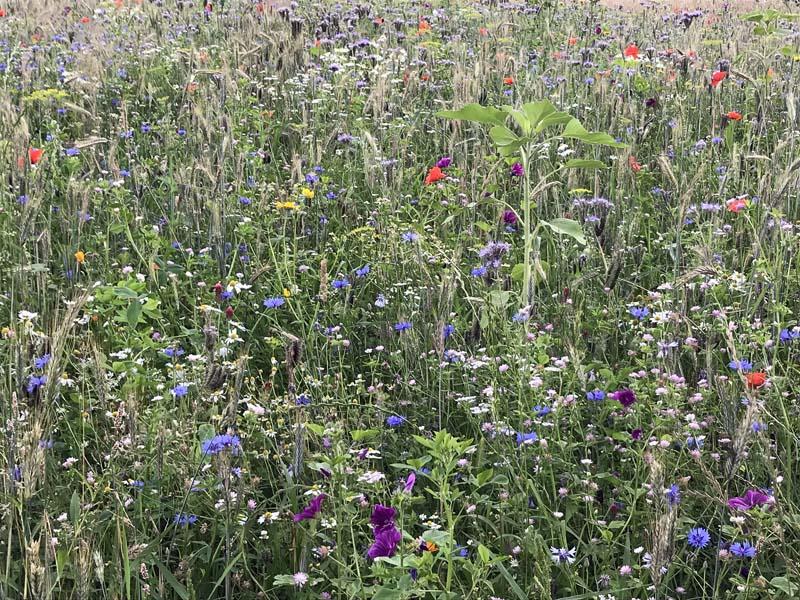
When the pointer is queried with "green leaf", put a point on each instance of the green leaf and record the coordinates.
(575, 130)
(567, 227)
(360, 435)
(484, 553)
(581, 163)
(475, 113)
(518, 272)
(511, 582)
(74, 508)
(556, 118)
(520, 119)
(784, 585)
(502, 135)
(538, 111)
(133, 313)
(125, 292)
(176, 585)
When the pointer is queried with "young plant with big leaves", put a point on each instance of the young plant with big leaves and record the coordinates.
(531, 125)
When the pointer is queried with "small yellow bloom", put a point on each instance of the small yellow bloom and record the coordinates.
(307, 193)
(287, 205)
(287, 293)
(80, 256)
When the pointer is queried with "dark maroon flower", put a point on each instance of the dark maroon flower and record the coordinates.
(625, 396)
(310, 511)
(751, 499)
(509, 217)
(444, 162)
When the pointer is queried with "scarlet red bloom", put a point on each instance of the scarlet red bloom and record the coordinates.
(634, 164)
(508, 80)
(85, 20)
(424, 26)
(632, 51)
(2, 12)
(717, 77)
(35, 155)
(756, 380)
(483, 31)
(572, 41)
(734, 116)
(434, 175)
(737, 204)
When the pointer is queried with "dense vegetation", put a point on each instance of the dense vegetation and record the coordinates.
(398, 300)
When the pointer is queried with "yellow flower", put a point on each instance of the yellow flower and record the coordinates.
(80, 256)
(287, 293)
(287, 205)
(307, 193)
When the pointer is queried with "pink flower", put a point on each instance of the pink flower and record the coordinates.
(751, 499)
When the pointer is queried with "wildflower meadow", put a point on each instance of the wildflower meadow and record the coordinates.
(399, 299)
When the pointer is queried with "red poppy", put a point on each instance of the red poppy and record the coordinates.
(717, 77)
(572, 41)
(424, 26)
(737, 204)
(85, 20)
(634, 164)
(756, 380)
(734, 116)
(434, 175)
(632, 51)
(35, 155)
(483, 31)
(2, 12)
(508, 80)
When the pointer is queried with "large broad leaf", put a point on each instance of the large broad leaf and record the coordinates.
(575, 130)
(538, 111)
(567, 227)
(556, 118)
(520, 119)
(582, 163)
(476, 113)
(502, 135)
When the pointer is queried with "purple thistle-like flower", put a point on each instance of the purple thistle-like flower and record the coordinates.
(516, 170)
(751, 499)
(625, 396)
(509, 217)
(444, 162)
(310, 511)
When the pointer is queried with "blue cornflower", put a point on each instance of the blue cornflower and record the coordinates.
(184, 520)
(362, 271)
(40, 362)
(302, 400)
(221, 442)
(478, 271)
(448, 330)
(402, 326)
(526, 438)
(694, 443)
(180, 390)
(410, 236)
(541, 411)
(340, 283)
(173, 352)
(35, 382)
(275, 302)
(72, 152)
(245, 201)
(639, 312)
(742, 365)
(596, 395)
(789, 335)
(698, 538)
(743, 549)
(674, 495)
(226, 295)
(394, 421)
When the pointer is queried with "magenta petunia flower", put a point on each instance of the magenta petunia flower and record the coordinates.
(751, 499)
(310, 511)
(387, 536)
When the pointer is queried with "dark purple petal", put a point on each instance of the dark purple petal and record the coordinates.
(383, 516)
(310, 511)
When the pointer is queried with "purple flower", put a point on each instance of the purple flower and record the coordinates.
(516, 170)
(509, 217)
(410, 481)
(310, 511)
(751, 499)
(444, 162)
(625, 396)
(387, 536)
